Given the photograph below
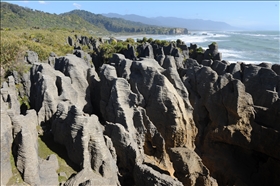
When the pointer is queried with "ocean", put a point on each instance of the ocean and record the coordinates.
(235, 46)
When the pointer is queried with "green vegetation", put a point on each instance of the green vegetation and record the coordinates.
(16, 179)
(46, 147)
(200, 50)
(15, 43)
(118, 25)
(14, 16)
(161, 42)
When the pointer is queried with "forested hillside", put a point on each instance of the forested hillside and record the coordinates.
(14, 16)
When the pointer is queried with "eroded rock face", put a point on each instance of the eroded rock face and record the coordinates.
(189, 168)
(147, 121)
(142, 172)
(225, 112)
(26, 146)
(145, 110)
(6, 145)
(70, 81)
(82, 135)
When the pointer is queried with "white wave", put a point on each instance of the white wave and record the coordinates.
(226, 53)
(255, 35)
(253, 62)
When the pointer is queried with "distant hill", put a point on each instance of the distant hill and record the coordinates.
(122, 25)
(14, 16)
(191, 24)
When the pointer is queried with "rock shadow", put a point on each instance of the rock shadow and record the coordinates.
(59, 149)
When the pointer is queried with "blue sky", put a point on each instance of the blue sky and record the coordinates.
(249, 14)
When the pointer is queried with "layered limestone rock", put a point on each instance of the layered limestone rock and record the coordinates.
(225, 112)
(82, 135)
(132, 93)
(68, 81)
(155, 120)
(189, 168)
(6, 145)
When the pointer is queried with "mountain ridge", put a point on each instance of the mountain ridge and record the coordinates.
(191, 24)
(15, 16)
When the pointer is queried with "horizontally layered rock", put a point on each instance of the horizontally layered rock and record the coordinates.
(224, 112)
(6, 145)
(150, 108)
(23, 134)
(155, 120)
(82, 135)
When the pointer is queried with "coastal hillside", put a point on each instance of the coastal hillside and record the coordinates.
(122, 25)
(14, 16)
(144, 112)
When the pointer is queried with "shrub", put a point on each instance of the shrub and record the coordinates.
(130, 40)
(150, 40)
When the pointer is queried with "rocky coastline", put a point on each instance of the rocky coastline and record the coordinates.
(151, 115)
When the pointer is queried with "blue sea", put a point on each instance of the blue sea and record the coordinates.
(235, 46)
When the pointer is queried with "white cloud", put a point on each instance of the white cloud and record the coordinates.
(42, 2)
(78, 6)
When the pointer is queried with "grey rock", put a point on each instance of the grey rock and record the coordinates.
(26, 146)
(190, 63)
(82, 136)
(276, 69)
(212, 52)
(160, 59)
(130, 52)
(169, 49)
(76, 68)
(47, 171)
(83, 55)
(145, 175)
(266, 81)
(207, 62)
(219, 67)
(48, 88)
(145, 50)
(6, 146)
(31, 57)
(9, 95)
(235, 70)
(189, 168)
(88, 177)
(160, 95)
(265, 65)
(121, 64)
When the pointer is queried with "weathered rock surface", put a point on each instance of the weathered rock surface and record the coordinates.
(47, 171)
(31, 57)
(224, 113)
(6, 145)
(82, 135)
(160, 119)
(145, 175)
(189, 168)
(145, 50)
(26, 146)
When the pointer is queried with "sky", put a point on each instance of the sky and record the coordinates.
(243, 14)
